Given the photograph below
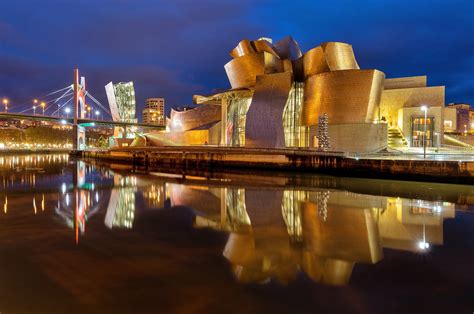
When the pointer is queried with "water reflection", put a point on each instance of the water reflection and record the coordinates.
(278, 227)
(276, 233)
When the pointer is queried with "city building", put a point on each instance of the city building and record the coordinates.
(457, 118)
(154, 112)
(282, 97)
(121, 97)
(122, 104)
(471, 120)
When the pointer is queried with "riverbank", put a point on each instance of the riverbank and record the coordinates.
(8, 152)
(300, 160)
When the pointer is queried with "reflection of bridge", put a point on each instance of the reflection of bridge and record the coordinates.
(82, 113)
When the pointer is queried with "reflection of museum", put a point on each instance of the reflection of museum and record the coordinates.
(277, 233)
(278, 94)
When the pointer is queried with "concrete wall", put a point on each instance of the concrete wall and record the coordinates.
(393, 100)
(355, 138)
(405, 82)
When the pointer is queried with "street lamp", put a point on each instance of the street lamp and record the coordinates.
(67, 110)
(425, 109)
(5, 103)
(97, 113)
(42, 106)
(34, 110)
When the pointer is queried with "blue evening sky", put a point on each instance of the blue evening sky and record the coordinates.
(178, 48)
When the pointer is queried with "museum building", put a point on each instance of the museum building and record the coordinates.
(280, 97)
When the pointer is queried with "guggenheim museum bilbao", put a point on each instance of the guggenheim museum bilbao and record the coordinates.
(279, 95)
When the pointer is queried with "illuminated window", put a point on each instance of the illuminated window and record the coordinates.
(295, 134)
(236, 116)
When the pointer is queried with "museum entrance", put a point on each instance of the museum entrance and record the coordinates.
(418, 131)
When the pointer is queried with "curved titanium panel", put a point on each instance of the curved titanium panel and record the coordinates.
(243, 71)
(314, 62)
(331, 56)
(340, 56)
(264, 121)
(264, 46)
(186, 120)
(243, 48)
(288, 48)
(348, 96)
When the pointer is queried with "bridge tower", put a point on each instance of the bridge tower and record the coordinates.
(79, 110)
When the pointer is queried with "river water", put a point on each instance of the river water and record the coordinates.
(78, 237)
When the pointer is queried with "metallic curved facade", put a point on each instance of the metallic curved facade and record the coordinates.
(331, 56)
(187, 120)
(243, 71)
(264, 125)
(348, 96)
(243, 48)
(277, 94)
(288, 48)
(264, 46)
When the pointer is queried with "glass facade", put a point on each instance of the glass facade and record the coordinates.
(236, 115)
(125, 96)
(291, 212)
(295, 134)
(418, 131)
(236, 211)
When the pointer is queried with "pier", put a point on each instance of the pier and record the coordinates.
(302, 160)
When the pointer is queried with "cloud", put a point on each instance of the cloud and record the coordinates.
(175, 49)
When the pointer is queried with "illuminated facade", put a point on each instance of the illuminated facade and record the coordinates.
(278, 94)
(121, 97)
(278, 232)
(400, 107)
(154, 112)
(457, 118)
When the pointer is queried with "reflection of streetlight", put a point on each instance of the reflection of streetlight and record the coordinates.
(425, 109)
(67, 110)
(423, 245)
(5, 102)
(42, 106)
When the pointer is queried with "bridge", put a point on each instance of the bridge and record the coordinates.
(55, 109)
(81, 122)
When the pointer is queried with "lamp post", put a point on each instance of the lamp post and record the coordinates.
(97, 113)
(425, 109)
(67, 110)
(35, 103)
(5, 103)
(42, 106)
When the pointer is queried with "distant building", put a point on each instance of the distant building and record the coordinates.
(121, 97)
(154, 112)
(471, 119)
(457, 118)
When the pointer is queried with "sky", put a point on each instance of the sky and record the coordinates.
(177, 48)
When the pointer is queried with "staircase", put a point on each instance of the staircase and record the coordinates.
(396, 138)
